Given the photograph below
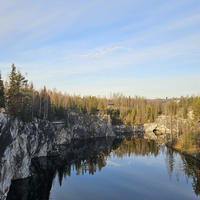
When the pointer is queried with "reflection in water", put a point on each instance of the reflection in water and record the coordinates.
(90, 156)
(81, 156)
(137, 146)
(183, 166)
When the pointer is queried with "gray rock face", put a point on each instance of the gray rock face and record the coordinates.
(20, 142)
(45, 168)
(62, 136)
(89, 126)
(163, 130)
(168, 128)
(143, 130)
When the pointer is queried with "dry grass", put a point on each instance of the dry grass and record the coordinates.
(178, 144)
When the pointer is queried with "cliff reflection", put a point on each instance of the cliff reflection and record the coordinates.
(136, 147)
(81, 156)
(96, 160)
(90, 156)
(181, 165)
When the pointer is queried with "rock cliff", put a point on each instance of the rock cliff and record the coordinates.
(21, 142)
(79, 153)
(142, 131)
(163, 130)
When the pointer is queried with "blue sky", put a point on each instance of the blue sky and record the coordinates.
(94, 47)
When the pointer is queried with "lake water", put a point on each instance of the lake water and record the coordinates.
(111, 169)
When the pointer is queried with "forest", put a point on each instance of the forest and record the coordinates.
(22, 100)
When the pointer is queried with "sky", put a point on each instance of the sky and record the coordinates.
(95, 47)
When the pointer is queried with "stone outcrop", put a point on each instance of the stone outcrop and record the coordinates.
(165, 129)
(20, 142)
(142, 131)
(86, 156)
(82, 126)
(168, 128)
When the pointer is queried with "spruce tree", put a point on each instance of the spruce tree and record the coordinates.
(26, 105)
(61, 110)
(185, 112)
(100, 106)
(151, 116)
(53, 110)
(196, 108)
(13, 92)
(2, 93)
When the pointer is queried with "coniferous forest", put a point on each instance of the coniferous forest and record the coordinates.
(22, 100)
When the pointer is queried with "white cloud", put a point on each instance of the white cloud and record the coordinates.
(98, 53)
(114, 48)
(117, 164)
(37, 44)
(113, 163)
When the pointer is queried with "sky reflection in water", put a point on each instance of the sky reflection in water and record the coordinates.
(146, 172)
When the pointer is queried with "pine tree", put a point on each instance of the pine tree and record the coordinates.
(196, 108)
(185, 112)
(61, 109)
(151, 117)
(147, 113)
(133, 116)
(2, 93)
(100, 106)
(26, 114)
(70, 103)
(13, 93)
(53, 110)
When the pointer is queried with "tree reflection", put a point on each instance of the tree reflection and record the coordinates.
(183, 166)
(136, 147)
(169, 159)
(90, 156)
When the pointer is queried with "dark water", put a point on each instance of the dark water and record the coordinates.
(111, 169)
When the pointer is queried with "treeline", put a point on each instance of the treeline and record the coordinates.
(21, 99)
(136, 147)
(138, 110)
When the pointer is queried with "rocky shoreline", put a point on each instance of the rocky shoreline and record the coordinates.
(195, 156)
(21, 142)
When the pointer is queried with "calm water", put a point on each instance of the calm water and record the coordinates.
(111, 169)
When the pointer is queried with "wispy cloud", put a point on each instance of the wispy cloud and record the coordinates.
(114, 163)
(117, 164)
(98, 53)
(149, 163)
(117, 48)
(135, 39)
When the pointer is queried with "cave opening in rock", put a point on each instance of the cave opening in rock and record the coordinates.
(154, 130)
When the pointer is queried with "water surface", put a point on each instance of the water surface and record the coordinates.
(111, 169)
